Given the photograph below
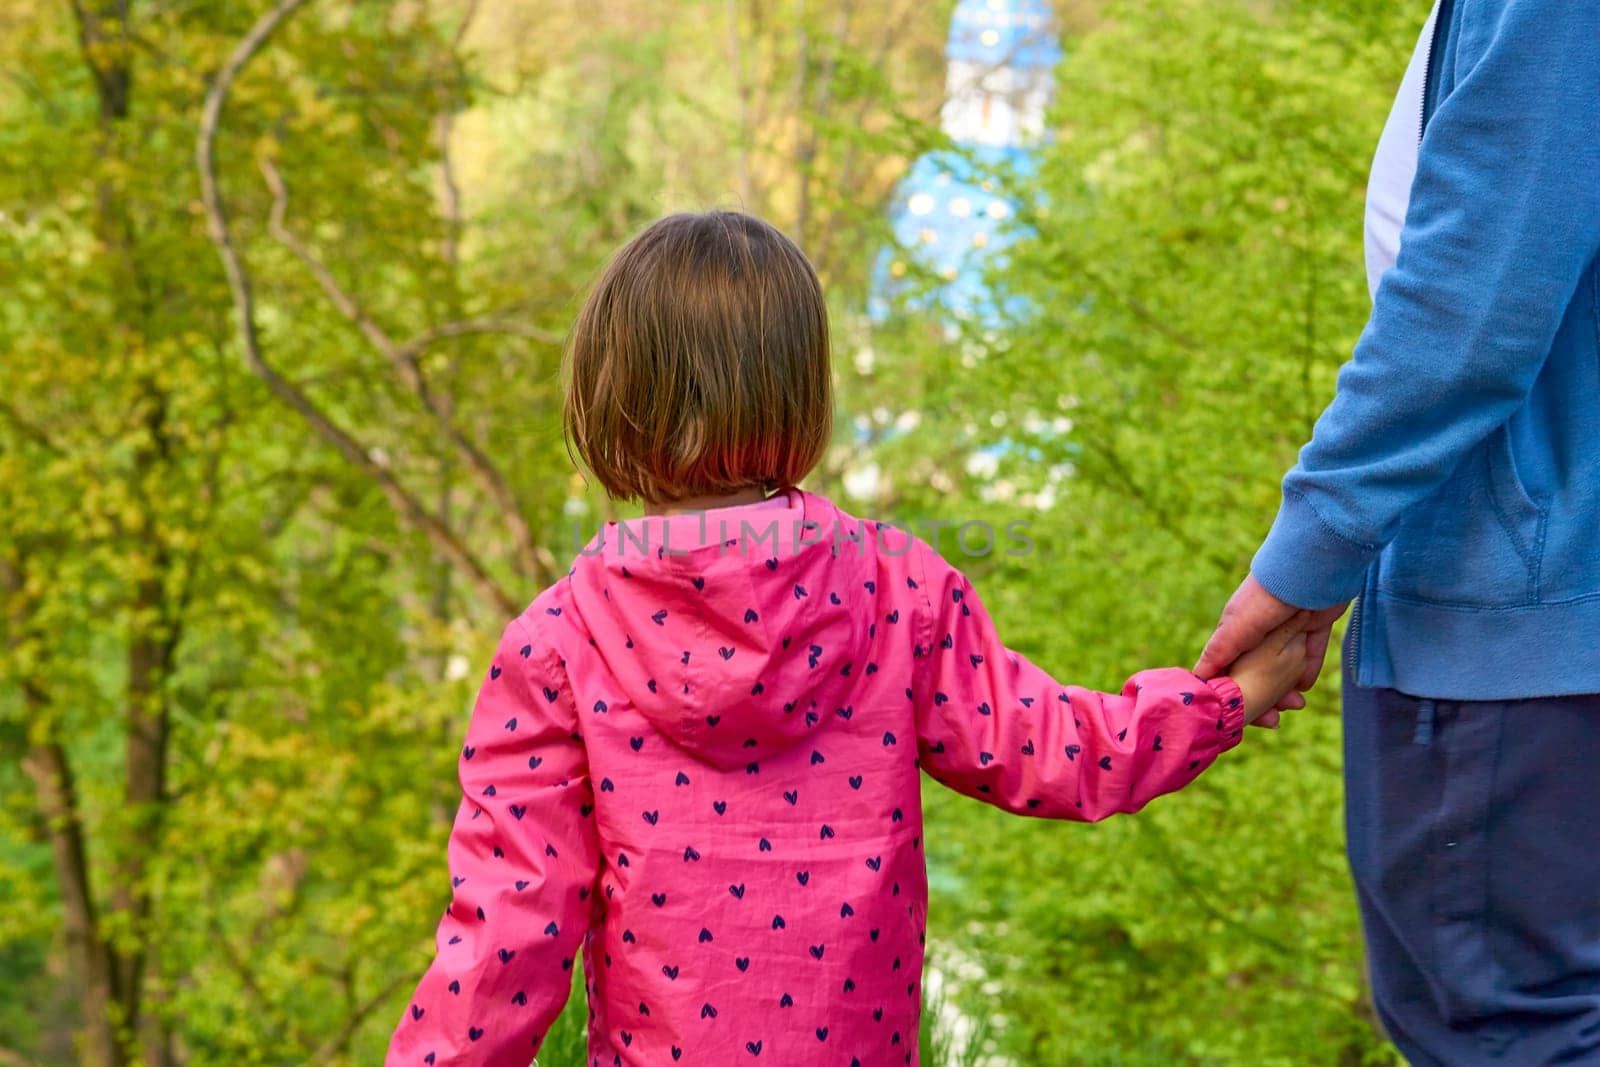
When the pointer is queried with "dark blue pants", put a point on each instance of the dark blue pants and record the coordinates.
(1474, 839)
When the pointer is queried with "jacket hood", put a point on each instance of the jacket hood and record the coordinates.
(736, 631)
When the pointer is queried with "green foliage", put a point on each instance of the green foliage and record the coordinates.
(1195, 281)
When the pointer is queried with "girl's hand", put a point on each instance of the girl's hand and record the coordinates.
(1271, 670)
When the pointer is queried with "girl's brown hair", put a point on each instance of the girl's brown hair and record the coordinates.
(699, 363)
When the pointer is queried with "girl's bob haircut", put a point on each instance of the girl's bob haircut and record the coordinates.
(699, 363)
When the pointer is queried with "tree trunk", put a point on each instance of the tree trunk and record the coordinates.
(106, 44)
(152, 638)
(46, 765)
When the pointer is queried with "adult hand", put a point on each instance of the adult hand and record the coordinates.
(1250, 615)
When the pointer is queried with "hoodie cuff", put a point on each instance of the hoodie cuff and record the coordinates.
(1303, 562)
(1231, 697)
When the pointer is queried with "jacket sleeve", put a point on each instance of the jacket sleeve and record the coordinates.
(992, 725)
(523, 858)
(1503, 219)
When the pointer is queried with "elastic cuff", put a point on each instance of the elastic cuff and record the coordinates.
(1231, 725)
(1305, 563)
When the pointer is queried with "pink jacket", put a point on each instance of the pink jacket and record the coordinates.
(698, 760)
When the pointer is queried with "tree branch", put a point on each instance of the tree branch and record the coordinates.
(239, 284)
(242, 970)
(340, 1041)
(113, 81)
(486, 324)
(806, 154)
(1143, 497)
(530, 557)
(444, 124)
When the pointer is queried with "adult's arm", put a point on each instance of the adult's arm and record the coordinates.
(1503, 219)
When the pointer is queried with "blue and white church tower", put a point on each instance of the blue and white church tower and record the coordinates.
(948, 215)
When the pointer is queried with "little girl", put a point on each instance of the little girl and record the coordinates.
(696, 757)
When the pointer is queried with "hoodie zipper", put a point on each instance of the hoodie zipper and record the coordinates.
(1431, 71)
(1353, 641)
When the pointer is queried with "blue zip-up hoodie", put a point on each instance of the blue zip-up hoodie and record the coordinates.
(1454, 482)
